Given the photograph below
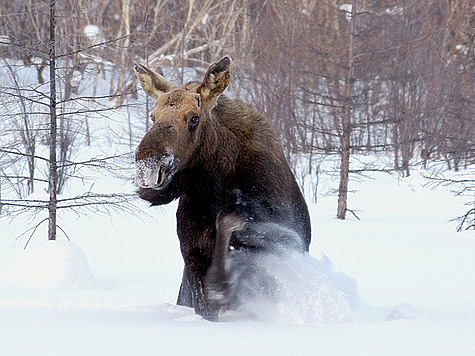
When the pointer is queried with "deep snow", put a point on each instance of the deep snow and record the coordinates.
(112, 290)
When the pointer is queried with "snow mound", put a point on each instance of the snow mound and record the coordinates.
(91, 30)
(52, 265)
(308, 291)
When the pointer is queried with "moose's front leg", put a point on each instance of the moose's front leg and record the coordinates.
(185, 297)
(196, 232)
(195, 272)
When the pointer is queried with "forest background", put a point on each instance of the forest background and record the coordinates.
(362, 79)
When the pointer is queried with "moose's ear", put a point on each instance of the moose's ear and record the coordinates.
(152, 83)
(216, 79)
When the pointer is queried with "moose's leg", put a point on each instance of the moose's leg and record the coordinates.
(196, 232)
(216, 281)
(217, 285)
(185, 297)
(195, 275)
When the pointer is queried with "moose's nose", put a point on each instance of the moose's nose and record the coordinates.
(147, 170)
(153, 172)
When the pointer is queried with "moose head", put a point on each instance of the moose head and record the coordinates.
(182, 123)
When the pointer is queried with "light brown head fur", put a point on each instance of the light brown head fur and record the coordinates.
(181, 121)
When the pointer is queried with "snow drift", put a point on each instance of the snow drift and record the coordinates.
(52, 265)
(304, 290)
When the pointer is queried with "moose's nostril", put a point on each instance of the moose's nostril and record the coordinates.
(154, 172)
(161, 176)
(166, 162)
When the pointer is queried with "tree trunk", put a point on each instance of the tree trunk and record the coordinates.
(52, 144)
(345, 137)
(344, 169)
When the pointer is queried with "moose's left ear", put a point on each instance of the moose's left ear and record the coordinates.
(216, 79)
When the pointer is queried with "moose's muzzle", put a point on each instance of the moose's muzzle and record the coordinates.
(154, 172)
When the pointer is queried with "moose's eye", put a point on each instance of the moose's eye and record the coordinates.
(197, 101)
(193, 122)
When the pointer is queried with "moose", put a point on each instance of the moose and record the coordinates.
(202, 148)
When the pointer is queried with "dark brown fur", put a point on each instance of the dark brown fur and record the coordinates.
(232, 147)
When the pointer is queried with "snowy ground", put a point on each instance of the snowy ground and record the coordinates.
(112, 290)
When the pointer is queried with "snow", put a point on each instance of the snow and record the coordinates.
(76, 79)
(399, 281)
(395, 10)
(93, 33)
(347, 9)
(462, 49)
(91, 30)
(205, 19)
(5, 40)
(51, 265)
(308, 291)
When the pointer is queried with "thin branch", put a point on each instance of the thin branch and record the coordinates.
(92, 161)
(24, 154)
(354, 214)
(69, 54)
(23, 177)
(464, 218)
(64, 232)
(34, 230)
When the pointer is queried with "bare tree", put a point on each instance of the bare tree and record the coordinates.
(52, 125)
(58, 107)
(346, 120)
